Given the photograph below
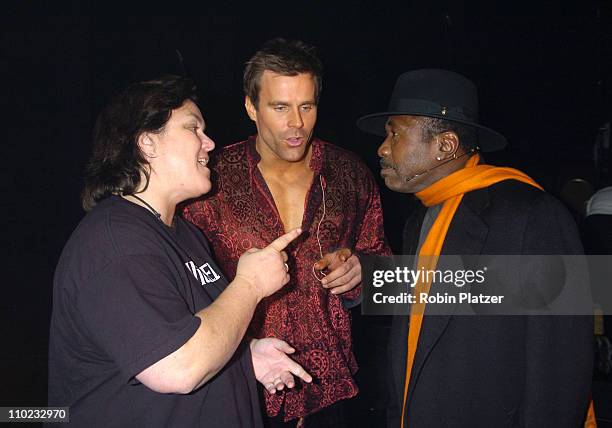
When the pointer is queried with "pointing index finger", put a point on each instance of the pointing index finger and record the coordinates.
(282, 241)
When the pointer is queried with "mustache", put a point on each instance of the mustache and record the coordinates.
(385, 164)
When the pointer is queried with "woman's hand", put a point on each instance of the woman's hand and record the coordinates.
(266, 270)
(273, 368)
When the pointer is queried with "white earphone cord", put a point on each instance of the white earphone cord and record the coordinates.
(319, 231)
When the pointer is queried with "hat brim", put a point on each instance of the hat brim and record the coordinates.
(488, 139)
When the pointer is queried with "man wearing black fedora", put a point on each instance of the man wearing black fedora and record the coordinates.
(477, 371)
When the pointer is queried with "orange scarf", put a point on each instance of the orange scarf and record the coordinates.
(449, 191)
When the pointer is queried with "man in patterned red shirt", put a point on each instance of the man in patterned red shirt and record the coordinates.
(281, 179)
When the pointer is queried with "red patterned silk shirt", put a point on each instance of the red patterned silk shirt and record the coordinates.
(240, 213)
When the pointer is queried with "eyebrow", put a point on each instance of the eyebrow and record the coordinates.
(396, 123)
(285, 103)
(197, 118)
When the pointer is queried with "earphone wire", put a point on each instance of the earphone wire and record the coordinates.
(475, 149)
(319, 230)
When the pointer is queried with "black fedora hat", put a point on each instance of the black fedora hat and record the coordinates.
(435, 93)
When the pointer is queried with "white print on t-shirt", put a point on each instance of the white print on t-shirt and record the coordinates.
(205, 273)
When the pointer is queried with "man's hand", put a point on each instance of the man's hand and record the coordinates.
(273, 368)
(345, 270)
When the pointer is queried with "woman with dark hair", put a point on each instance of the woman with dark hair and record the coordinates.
(145, 329)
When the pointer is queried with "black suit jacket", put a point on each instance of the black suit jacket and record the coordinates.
(496, 371)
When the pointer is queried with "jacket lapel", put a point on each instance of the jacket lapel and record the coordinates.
(466, 236)
(468, 231)
(412, 229)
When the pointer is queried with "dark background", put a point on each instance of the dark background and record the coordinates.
(543, 70)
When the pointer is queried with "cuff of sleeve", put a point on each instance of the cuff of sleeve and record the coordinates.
(352, 298)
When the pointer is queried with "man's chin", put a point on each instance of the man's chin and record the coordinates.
(296, 154)
(397, 185)
(390, 183)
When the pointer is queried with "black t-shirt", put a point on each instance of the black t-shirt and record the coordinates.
(125, 293)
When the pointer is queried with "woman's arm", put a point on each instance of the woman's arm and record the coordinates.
(223, 323)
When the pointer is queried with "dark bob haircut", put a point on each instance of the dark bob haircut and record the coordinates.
(284, 57)
(117, 164)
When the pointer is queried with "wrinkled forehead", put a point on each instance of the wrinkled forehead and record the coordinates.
(402, 121)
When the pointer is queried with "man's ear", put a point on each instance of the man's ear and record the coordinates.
(250, 108)
(448, 143)
(146, 145)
